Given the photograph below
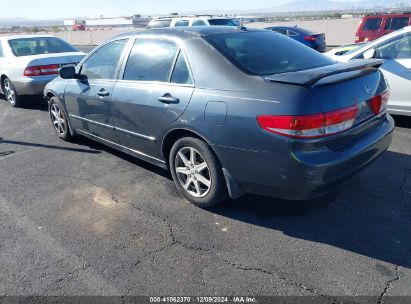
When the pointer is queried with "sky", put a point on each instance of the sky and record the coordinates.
(51, 9)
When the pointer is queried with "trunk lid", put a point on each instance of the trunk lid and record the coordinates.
(62, 59)
(341, 86)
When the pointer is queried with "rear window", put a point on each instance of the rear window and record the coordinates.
(227, 22)
(396, 23)
(267, 53)
(159, 23)
(372, 24)
(39, 45)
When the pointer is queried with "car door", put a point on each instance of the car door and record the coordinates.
(88, 97)
(397, 70)
(153, 91)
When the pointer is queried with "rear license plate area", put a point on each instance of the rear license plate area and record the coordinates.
(364, 112)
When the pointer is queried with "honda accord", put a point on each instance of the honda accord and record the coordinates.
(228, 110)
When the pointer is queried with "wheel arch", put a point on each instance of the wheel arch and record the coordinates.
(234, 190)
(175, 134)
(2, 78)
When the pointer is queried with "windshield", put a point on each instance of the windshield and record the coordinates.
(228, 22)
(267, 53)
(355, 48)
(39, 45)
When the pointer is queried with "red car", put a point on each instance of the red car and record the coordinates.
(374, 26)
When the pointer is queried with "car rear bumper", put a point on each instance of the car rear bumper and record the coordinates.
(290, 171)
(32, 86)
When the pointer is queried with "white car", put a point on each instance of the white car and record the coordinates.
(395, 49)
(29, 62)
(197, 20)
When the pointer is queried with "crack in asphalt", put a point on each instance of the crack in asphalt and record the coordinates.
(390, 283)
(404, 192)
(175, 241)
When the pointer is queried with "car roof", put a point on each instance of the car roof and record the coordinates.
(382, 15)
(208, 17)
(186, 32)
(11, 37)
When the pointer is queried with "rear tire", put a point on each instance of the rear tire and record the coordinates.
(197, 173)
(10, 93)
(59, 119)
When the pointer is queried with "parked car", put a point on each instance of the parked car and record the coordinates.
(376, 25)
(395, 49)
(314, 40)
(29, 62)
(197, 20)
(343, 49)
(227, 110)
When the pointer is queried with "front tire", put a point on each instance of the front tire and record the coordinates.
(10, 93)
(197, 173)
(59, 119)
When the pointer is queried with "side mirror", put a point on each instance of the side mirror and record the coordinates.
(68, 72)
(369, 54)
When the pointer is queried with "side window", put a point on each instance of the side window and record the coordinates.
(151, 60)
(181, 73)
(182, 23)
(199, 23)
(372, 24)
(396, 23)
(395, 49)
(104, 62)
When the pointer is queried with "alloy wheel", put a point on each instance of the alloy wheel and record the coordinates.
(193, 172)
(9, 92)
(58, 120)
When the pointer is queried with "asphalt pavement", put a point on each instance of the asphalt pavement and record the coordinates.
(82, 219)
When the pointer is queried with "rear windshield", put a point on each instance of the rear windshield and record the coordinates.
(267, 53)
(372, 24)
(39, 45)
(159, 23)
(227, 22)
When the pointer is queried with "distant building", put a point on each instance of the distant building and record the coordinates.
(136, 21)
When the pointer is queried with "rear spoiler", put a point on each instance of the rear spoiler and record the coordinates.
(312, 76)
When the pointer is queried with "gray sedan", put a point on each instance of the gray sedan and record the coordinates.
(29, 62)
(227, 110)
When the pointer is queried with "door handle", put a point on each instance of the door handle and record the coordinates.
(103, 93)
(168, 98)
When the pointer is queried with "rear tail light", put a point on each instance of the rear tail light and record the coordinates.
(41, 70)
(379, 103)
(357, 39)
(310, 38)
(320, 125)
(310, 126)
